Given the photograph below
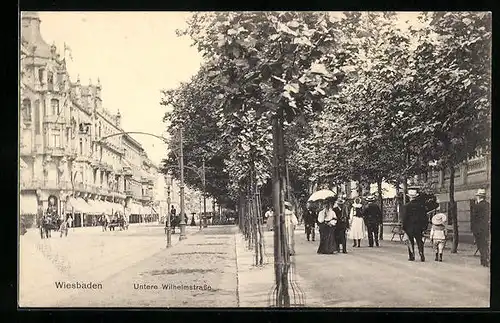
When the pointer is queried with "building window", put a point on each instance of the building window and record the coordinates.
(50, 80)
(67, 136)
(81, 146)
(41, 75)
(56, 140)
(26, 106)
(54, 103)
(37, 117)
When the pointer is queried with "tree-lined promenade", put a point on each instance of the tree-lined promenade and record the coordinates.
(301, 98)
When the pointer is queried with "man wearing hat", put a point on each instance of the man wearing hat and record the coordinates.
(415, 222)
(342, 224)
(372, 216)
(310, 218)
(290, 223)
(480, 226)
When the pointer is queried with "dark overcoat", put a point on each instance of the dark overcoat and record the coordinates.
(414, 217)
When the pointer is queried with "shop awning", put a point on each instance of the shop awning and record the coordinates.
(78, 205)
(117, 207)
(135, 208)
(95, 206)
(28, 204)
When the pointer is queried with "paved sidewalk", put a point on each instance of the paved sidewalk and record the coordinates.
(256, 283)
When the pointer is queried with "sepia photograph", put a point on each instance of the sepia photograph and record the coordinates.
(254, 159)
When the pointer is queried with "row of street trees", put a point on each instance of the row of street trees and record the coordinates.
(286, 97)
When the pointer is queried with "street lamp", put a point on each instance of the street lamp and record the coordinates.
(168, 180)
(183, 223)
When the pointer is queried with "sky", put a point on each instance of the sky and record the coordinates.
(134, 54)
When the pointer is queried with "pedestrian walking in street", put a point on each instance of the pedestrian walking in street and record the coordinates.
(415, 222)
(342, 224)
(290, 224)
(104, 222)
(270, 219)
(357, 230)
(480, 226)
(327, 220)
(310, 218)
(372, 216)
(438, 234)
(63, 228)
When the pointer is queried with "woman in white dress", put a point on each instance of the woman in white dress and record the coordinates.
(357, 229)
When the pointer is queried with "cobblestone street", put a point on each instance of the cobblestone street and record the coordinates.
(117, 260)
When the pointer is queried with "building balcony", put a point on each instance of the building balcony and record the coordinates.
(60, 119)
(82, 159)
(35, 184)
(30, 184)
(55, 151)
(26, 150)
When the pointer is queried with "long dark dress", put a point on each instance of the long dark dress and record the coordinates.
(327, 243)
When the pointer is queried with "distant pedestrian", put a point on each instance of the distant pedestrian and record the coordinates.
(438, 234)
(327, 220)
(63, 228)
(310, 218)
(269, 219)
(357, 230)
(342, 224)
(372, 216)
(480, 226)
(415, 222)
(290, 224)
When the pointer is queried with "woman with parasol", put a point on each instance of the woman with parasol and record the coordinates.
(327, 220)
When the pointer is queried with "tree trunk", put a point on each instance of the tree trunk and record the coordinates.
(381, 202)
(258, 211)
(278, 266)
(396, 204)
(452, 213)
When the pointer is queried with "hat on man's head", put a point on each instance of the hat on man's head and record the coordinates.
(481, 192)
(288, 204)
(412, 193)
(340, 200)
(439, 218)
(370, 198)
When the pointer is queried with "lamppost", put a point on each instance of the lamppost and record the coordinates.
(168, 180)
(183, 223)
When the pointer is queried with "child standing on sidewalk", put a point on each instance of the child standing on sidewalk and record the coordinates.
(438, 234)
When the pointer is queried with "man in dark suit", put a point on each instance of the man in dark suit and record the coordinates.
(480, 226)
(342, 224)
(415, 222)
(310, 218)
(372, 216)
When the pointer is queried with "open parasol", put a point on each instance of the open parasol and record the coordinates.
(321, 195)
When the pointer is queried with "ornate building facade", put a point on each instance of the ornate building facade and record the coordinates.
(65, 153)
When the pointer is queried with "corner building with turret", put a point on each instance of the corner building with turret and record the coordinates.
(63, 161)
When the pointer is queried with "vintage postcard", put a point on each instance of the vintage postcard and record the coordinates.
(254, 159)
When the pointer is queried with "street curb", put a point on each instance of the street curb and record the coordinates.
(237, 270)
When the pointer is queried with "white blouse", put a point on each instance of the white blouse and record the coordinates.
(326, 216)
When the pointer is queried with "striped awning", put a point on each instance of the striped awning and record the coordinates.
(28, 204)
